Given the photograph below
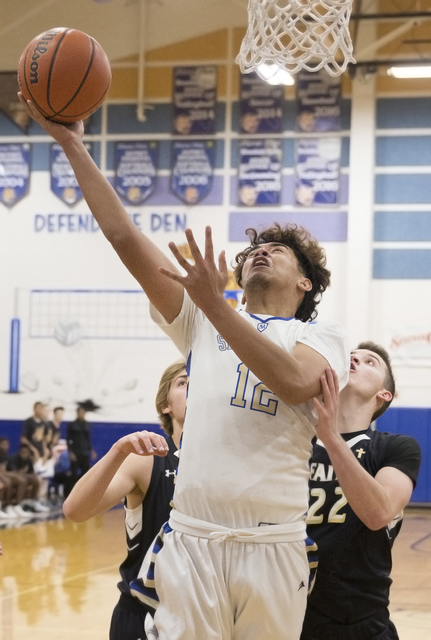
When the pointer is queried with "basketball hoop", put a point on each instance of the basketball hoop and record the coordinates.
(297, 34)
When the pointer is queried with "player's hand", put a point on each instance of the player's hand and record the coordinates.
(143, 443)
(327, 405)
(60, 132)
(204, 282)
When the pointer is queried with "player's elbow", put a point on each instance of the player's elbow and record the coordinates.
(72, 512)
(296, 392)
(377, 520)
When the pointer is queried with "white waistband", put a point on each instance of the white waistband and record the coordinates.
(292, 532)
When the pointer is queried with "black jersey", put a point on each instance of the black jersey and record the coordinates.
(144, 523)
(351, 592)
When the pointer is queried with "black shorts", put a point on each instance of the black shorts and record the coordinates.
(372, 629)
(127, 622)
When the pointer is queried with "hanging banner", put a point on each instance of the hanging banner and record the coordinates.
(192, 169)
(195, 93)
(260, 105)
(135, 170)
(14, 172)
(318, 99)
(63, 181)
(259, 180)
(317, 171)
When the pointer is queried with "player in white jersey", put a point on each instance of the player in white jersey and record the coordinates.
(234, 566)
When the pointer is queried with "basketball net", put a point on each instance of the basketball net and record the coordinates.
(297, 34)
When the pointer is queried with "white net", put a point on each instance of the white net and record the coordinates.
(297, 34)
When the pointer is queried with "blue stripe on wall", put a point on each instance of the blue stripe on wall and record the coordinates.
(403, 151)
(401, 188)
(103, 434)
(403, 113)
(325, 226)
(402, 264)
(122, 119)
(399, 226)
(416, 423)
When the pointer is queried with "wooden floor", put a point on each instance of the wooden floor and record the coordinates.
(58, 580)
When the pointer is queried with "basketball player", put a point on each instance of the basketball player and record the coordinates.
(147, 481)
(235, 564)
(360, 482)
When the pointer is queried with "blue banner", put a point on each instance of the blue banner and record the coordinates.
(195, 93)
(63, 181)
(14, 172)
(318, 97)
(192, 169)
(317, 178)
(259, 181)
(260, 105)
(135, 170)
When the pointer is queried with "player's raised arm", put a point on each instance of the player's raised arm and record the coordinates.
(141, 257)
(125, 468)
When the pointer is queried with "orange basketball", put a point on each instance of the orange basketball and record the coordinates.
(66, 73)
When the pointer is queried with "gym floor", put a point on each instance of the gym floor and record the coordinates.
(58, 579)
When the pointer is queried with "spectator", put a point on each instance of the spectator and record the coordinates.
(14, 485)
(33, 431)
(22, 463)
(78, 438)
(52, 433)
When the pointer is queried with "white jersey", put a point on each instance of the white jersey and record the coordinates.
(245, 453)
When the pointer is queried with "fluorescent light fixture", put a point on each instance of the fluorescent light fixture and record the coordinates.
(420, 71)
(273, 74)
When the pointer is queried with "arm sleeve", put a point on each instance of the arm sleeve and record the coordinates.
(403, 453)
(330, 340)
(184, 329)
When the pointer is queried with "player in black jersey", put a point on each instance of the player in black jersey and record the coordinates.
(360, 482)
(146, 481)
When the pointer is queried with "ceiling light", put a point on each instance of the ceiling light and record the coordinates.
(273, 74)
(421, 71)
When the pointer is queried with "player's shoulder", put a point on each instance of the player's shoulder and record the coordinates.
(394, 441)
(325, 328)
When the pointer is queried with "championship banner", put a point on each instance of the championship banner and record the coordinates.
(192, 169)
(259, 179)
(135, 170)
(14, 172)
(317, 171)
(194, 100)
(63, 181)
(318, 99)
(260, 105)
(410, 345)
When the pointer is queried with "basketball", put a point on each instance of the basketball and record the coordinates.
(65, 73)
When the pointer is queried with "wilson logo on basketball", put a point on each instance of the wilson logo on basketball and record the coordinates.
(40, 49)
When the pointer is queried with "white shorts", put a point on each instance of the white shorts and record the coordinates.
(217, 584)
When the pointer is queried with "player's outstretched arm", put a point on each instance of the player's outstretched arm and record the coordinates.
(293, 377)
(376, 501)
(141, 257)
(125, 468)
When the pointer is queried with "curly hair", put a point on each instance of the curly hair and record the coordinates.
(311, 262)
(162, 398)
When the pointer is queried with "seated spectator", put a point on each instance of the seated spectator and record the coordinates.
(14, 485)
(22, 463)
